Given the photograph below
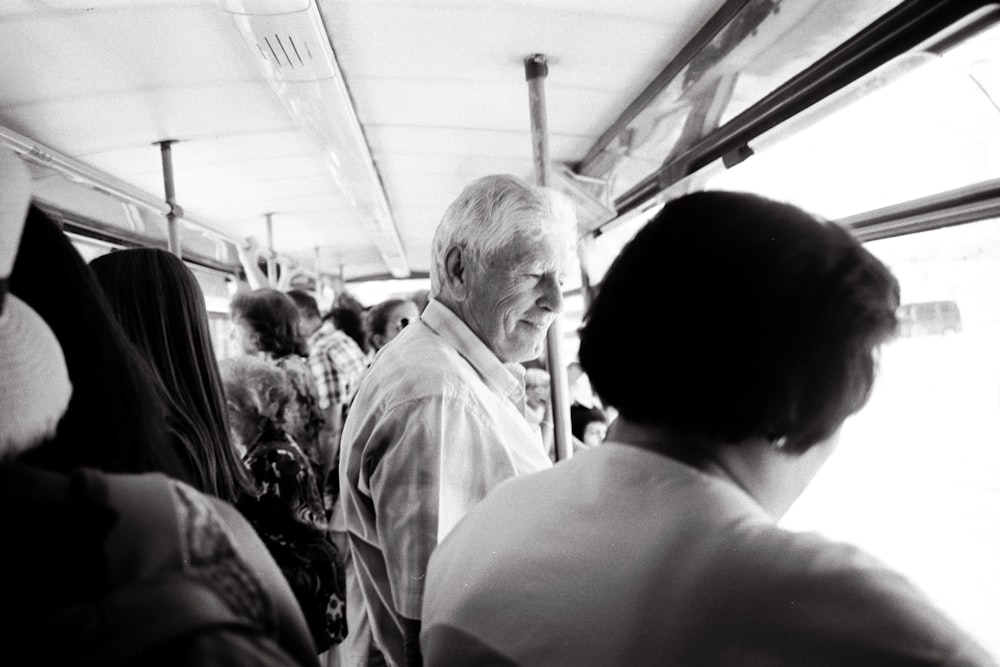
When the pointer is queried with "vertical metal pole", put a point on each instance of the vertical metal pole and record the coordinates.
(166, 156)
(585, 253)
(317, 266)
(272, 264)
(535, 70)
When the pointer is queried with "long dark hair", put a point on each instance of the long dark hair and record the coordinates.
(115, 421)
(159, 303)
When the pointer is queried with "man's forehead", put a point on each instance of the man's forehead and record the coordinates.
(547, 251)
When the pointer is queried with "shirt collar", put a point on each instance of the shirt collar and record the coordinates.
(324, 330)
(506, 379)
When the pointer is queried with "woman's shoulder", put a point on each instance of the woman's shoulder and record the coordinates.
(173, 547)
(836, 596)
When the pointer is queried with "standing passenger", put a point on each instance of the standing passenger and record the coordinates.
(661, 547)
(439, 418)
(385, 321)
(388, 319)
(266, 325)
(159, 304)
(336, 362)
(101, 568)
(288, 513)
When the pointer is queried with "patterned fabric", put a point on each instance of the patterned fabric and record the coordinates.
(208, 554)
(143, 570)
(290, 518)
(304, 420)
(436, 424)
(337, 364)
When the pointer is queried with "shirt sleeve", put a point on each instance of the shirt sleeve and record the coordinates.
(325, 375)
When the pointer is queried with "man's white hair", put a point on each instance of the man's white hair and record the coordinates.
(490, 213)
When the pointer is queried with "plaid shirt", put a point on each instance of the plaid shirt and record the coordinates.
(337, 363)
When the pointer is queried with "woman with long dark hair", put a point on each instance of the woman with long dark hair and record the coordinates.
(159, 303)
(106, 372)
(105, 565)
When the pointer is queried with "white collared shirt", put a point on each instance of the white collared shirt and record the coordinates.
(436, 424)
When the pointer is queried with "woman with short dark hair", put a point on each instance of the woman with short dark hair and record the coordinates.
(388, 318)
(661, 546)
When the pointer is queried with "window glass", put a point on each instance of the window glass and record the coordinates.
(923, 124)
(766, 44)
(101, 210)
(89, 249)
(915, 479)
(218, 289)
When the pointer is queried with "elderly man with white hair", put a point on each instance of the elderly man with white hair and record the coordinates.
(439, 420)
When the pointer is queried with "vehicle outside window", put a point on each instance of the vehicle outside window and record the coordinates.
(929, 318)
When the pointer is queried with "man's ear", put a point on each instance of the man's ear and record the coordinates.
(456, 272)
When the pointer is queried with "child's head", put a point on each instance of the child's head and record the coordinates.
(590, 425)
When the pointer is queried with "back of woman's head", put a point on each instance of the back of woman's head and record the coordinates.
(115, 419)
(158, 302)
(272, 318)
(770, 322)
(351, 323)
(385, 320)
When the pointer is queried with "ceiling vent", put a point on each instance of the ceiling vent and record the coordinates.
(292, 48)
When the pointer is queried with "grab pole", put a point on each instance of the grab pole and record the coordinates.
(535, 70)
(272, 258)
(166, 158)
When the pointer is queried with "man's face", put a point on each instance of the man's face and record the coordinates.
(513, 300)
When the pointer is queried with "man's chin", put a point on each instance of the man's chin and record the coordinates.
(532, 351)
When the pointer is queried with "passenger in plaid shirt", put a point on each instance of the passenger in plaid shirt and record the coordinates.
(337, 364)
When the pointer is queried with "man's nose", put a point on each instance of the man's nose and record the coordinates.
(552, 296)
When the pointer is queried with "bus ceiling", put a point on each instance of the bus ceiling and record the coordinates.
(254, 144)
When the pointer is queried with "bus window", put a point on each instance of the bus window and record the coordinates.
(216, 289)
(923, 124)
(921, 462)
(929, 317)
